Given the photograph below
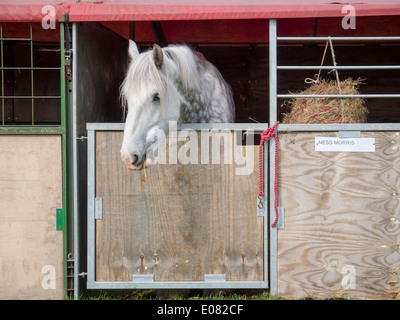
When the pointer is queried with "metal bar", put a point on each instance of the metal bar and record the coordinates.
(381, 67)
(64, 153)
(31, 97)
(387, 96)
(31, 68)
(2, 76)
(91, 229)
(177, 285)
(70, 176)
(265, 215)
(32, 90)
(75, 160)
(257, 127)
(339, 127)
(273, 77)
(338, 38)
(273, 238)
(14, 39)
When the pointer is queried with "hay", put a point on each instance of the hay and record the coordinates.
(327, 110)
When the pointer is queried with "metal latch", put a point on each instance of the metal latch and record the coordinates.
(261, 207)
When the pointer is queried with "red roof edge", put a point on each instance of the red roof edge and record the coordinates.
(134, 12)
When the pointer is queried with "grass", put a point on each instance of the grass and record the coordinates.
(176, 295)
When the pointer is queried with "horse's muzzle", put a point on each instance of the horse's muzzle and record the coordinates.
(139, 166)
(139, 160)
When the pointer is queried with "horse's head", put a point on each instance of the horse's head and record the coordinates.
(151, 101)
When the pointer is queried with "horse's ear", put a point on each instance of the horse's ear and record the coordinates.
(133, 50)
(158, 56)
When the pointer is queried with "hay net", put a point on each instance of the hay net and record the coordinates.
(327, 110)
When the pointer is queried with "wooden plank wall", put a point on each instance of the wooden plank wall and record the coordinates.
(30, 192)
(340, 209)
(177, 222)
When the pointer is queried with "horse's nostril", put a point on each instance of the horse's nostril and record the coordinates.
(135, 159)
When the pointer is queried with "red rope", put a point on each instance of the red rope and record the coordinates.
(265, 136)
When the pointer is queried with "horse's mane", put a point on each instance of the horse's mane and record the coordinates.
(143, 71)
(188, 64)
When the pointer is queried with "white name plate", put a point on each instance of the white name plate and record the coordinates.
(331, 144)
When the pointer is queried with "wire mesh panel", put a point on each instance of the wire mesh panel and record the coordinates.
(30, 75)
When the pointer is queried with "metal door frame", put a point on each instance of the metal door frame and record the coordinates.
(212, 281)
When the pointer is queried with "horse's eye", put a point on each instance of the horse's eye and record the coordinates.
(156, 97)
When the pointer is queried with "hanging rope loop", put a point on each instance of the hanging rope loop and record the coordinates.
(265, 136)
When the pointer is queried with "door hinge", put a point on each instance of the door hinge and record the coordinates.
(68, 69)
(60, 218)
(98, 208)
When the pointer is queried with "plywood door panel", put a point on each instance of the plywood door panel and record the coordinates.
(31, 249)
(176, 221)
(342, 213)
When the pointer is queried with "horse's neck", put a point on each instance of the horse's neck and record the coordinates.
(208, 99)
(199, 106)
(193, 106)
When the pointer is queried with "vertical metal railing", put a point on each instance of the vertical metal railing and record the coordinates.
(273, 106)
(274, 95)
(31, 68)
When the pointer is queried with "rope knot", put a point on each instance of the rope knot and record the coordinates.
(267, 134)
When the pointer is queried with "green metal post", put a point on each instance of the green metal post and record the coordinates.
(64, 153)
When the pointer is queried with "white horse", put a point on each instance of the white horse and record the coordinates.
(169, 84)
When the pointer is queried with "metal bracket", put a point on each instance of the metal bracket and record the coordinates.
(349, 134)
(98, 208)
(261, 206)
(60, 214)
(281, 221)
(143, 278)
(215, 278)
